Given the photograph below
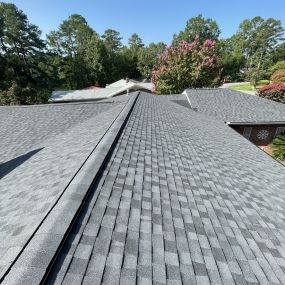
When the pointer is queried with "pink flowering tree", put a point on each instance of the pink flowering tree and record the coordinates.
(187, 65)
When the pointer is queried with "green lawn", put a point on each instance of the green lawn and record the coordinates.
(247, 86)
(242, 87)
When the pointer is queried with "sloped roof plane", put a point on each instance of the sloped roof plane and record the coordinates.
(235, 107)
(121, 83)
(144, 191)
(85, 95)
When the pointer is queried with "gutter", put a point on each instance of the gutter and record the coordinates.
(256, 123)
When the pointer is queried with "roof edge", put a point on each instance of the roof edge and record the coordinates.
(256, 123)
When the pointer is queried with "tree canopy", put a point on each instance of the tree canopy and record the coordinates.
(148, 58)
(69, 44)
(187, 65)
(21, 49)
(204, 28)
(112, 40)
(135, 42)
(257, 38)
(71, 37)
(75, 56)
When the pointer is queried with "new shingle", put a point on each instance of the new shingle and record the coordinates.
(182, 199)
(31, 192)
(234, 106)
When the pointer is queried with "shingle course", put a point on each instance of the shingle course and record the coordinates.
(185, 209)
(45, 176)
(169, 207)
(234, 106)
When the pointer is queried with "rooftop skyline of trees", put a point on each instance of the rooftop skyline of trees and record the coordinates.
(75, 55)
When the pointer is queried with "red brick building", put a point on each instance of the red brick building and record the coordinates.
(260, 134)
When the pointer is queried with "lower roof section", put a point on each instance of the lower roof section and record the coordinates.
(235, 106)
(183, 199)
(43, 192)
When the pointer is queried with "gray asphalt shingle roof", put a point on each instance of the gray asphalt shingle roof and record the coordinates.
(63, 136)
(24, 128)
(180, 198)
(234, 106)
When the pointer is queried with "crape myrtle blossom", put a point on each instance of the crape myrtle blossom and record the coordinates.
(187, 65)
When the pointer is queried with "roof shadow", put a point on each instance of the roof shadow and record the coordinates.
(7, 167)
(182, 102)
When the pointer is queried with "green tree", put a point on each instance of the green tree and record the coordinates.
(148, 58)
(278, 54)
(205, 28)
(21, 47)
(71, 37)
(129, 57)
(122, 59)
(278, 147)
(69, 44)
(117, 62)
(97, 60)
(256, 38)
(124, 64)
(277, 66)
(112, 40)
(231, 59)
(135, 42)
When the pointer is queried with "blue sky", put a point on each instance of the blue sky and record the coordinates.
(153, 20)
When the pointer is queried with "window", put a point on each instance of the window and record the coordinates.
(262, 134)
(279, 131)
(247, 132)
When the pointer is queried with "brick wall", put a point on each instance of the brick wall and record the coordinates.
(260, 135)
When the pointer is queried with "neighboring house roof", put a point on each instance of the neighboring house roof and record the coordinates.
(145, 191)
(92, 87)
(121, 82)
(85, 95)
(147, 86)
(117, 88)
(234, 106)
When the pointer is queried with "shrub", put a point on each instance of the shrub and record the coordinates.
(187, 65)
(253, 75)
(11, 95)
(274, 91)
(16, 95)
(263, 82)
(278, 147)
(278, 76)
(277, 66)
